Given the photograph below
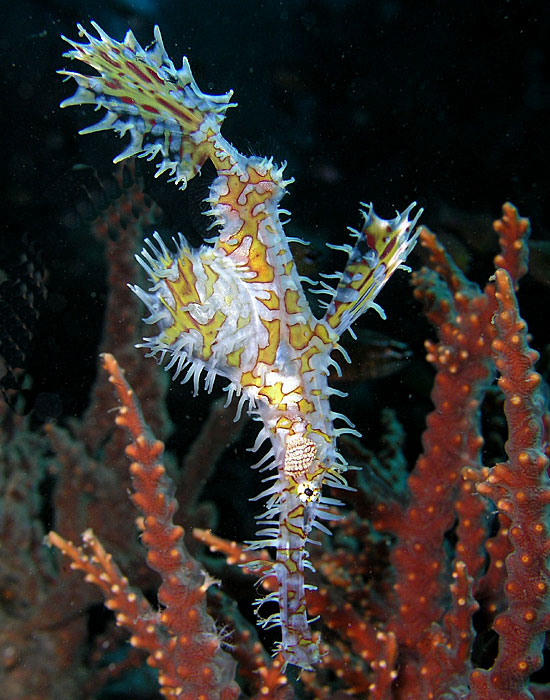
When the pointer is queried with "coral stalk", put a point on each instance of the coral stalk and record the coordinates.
(520, 488)
(181, 640)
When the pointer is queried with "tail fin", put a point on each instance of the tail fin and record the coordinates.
(162, 108)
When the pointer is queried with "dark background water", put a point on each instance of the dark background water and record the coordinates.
(446, 103)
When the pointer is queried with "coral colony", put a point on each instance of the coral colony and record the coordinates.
(235, 308)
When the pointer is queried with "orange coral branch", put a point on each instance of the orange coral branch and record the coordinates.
(520, 488)
(181, 640)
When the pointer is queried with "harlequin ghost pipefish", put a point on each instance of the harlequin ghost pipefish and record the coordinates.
(235, 307)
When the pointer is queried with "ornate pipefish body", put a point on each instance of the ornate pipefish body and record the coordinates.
(235, 307)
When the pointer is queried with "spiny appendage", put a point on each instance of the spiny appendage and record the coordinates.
(382, 247)
(162, 108)
(304, 461)
(288, 535)
(205, 317)
(301, 505)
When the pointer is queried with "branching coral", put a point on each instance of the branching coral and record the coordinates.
(409, 632)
